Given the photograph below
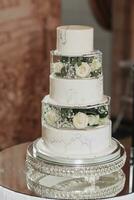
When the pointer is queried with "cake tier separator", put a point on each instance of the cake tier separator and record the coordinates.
(65, 167)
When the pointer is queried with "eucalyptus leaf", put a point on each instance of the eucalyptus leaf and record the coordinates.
(103, 115)
(102, 111)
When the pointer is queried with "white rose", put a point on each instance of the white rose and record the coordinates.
(51, 117)
(93, 119)
(80, 120)
(83, 70)
(96, 64)
(57, 66)
(103, 120)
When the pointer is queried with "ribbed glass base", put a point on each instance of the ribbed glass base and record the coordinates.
(53, 179)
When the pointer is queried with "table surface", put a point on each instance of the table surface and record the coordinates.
(12, 170)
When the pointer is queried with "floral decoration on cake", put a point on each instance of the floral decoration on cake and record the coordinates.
(78, 67)
(74, 118)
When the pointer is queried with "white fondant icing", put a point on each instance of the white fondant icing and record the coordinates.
(90, 142)
(76, 91)
(74, 40)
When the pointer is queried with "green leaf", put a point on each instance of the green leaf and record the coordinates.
(79, 63)
(64, 59)
(91, 111)
(96, 73)
(63, 72)
(73, 60)
(66, 113)
(102, 111)
(91, 59)
(105, 114)
(85, 59)
(58, 74)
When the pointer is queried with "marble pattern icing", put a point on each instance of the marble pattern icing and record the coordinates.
(78, 142)
(76, 91)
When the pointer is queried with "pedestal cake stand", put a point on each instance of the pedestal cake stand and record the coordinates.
(57, 177)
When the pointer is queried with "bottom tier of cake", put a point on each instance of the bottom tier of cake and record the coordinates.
(93, 142)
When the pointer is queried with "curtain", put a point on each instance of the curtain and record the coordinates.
(117, 16)
(123, 49)
(27, 33)
(102, 10)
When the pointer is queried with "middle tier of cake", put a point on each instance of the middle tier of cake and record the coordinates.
(76, 91)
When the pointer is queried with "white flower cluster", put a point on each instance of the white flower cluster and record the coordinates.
(96, 64)
(51, 117)
(81, 120)
(57, 67)
(82, 70)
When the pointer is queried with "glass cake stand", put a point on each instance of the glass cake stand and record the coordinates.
(64, 178)
(33, 181)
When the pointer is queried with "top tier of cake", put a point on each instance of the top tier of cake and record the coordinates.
(74, 40)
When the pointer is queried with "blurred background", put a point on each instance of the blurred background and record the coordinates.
(28, 33)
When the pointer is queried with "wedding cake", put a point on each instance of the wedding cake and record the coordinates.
(76, 157)
(75, 115)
